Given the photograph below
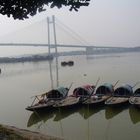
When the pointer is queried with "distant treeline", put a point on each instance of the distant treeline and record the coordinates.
(32, 58)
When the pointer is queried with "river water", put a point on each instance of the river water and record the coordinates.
(20, 81)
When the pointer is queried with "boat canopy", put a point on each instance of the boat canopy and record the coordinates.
(60, 92)
(124, 91)
(86, 90)
(137, 92)
(105, 89)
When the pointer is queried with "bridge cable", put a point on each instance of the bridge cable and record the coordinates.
(72, 32)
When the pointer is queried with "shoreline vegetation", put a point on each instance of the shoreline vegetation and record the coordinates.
(46, 56)
(28, 58)
(14, 133)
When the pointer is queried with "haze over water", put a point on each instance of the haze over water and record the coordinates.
(20, 81)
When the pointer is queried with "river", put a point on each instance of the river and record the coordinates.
(20, 81)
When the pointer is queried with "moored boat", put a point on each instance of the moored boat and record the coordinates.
(78, 96)
(64, 63)
(69, 63)
(47, 100)
(121, 95)
(102, 93)
(135, 99)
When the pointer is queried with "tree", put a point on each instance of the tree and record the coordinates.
(21, 9)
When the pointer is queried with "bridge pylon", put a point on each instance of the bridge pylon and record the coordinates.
(49, 22)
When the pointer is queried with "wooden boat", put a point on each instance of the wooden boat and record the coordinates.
(64, 63)
(79, 94)
(135, 99)
(102, 93)
(69, 63)
(121, 95)
(46, 100)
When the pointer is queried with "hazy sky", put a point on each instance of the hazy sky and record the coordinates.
(102, 23)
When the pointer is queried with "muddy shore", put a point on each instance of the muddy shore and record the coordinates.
(13, 133)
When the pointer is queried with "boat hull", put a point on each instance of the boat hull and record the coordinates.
(69, 102)
(135, 101)
(41, 106)
(96, 101)
(117, 101)
(38, 108)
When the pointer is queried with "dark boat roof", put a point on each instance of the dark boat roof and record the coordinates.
(137, 92)
(125, 91)
(85, 90)
(104, 89)
(60, 92)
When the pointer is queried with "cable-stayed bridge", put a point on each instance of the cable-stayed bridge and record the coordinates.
(89, 49)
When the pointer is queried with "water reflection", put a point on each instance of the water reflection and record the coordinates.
(51, 74)
(64, 113)
(60, 114)
(134, 114)
(88, 111)
(111, 112)
(84, 111)
(102, 56)
(37, 117)
(90, 126)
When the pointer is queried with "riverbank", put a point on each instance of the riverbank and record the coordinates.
(13, 133)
